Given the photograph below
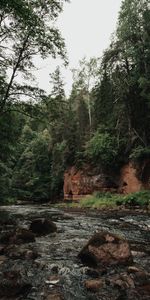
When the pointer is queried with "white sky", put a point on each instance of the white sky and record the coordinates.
(86, 26)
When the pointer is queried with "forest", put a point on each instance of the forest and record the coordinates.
(104, 121)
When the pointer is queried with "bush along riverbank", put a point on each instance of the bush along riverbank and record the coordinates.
(100, 200)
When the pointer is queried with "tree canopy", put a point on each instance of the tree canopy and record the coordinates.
(104, 122)
(27, 29)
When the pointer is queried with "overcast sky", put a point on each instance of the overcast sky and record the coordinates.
(87, 26)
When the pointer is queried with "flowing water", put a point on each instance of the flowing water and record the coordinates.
(58, 251)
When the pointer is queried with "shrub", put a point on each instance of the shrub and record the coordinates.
(141, 198)
(102, 149)
(140, 154)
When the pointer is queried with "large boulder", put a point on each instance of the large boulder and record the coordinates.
(20, 252)
(12, 285)
(18, 236)
(24, 236)
(106, 249)
(43, 226)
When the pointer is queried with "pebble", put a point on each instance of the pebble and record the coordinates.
(94, 284)
(54, 297)
(2, 258)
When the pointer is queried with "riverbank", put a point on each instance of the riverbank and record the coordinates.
(109, 201)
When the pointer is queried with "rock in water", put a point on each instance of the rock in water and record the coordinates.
(20, 235)
(12, 285)
(24, 235)
(94, 284)
(43, 226)
(106, 249)
(54, 297)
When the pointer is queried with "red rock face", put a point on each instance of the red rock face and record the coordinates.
(80, 183)
(129, 183)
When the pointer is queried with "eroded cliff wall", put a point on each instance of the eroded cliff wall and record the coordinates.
(81, 182)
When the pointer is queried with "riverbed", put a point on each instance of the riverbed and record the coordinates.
(57, 269)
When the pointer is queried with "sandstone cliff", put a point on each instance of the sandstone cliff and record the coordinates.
(81, 182)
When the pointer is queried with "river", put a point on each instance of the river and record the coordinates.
(57, 252)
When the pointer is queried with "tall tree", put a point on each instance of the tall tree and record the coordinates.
(26, 30)
(84, 79)
(126, 61)
(135, 44)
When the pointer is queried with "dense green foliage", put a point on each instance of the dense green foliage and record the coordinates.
(104, 121)
(102, 148)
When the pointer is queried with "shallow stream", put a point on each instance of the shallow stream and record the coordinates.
(57, 252)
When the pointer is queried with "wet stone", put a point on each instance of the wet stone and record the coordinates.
(145, 291)
(24, 235)
(19, 236)
(141, 278)
(6, 237)
(123, 281)
(43, 226)
(133, 269)
(92, 273)
(94, 284)
(105, 248)
(31, 254)
(56, 296)
(12, 284)
(16, 252)
(3, 258)
(2, 248)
